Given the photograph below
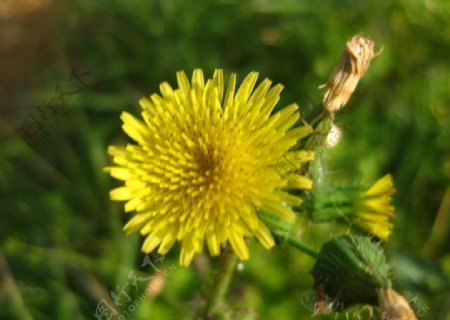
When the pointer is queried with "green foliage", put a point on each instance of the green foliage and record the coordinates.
(64, 250)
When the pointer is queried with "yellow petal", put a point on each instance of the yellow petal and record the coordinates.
(120, 194)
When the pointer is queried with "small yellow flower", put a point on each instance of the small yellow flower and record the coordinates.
(204, 161)
(374, 211)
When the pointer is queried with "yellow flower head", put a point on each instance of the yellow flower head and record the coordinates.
(374, 210)
(204, 160)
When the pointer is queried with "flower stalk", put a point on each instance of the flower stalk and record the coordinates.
(283, 231)
(297, 244)
(221, 284)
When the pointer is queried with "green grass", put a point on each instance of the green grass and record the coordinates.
(62, 247)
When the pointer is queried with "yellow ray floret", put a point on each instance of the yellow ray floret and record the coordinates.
(205, 159)
(374, 211)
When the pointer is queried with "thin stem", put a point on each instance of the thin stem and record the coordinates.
(281, 229)
(315, 115)
(440, 229)
(11, 291)
(297, 244)
(221, 283)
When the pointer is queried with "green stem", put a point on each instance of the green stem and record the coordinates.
(439, 232)
(11, 291)
(221, 283)
(313, 117)
(281, 229)
(297, 244)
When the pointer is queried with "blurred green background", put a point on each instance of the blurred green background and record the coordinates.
(68, 69)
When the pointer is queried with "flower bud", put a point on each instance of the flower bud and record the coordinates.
(349, 270)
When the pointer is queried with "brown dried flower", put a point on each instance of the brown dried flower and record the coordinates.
(352, 65)
(394, 306)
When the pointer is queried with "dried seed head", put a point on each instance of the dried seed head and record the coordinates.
(352, 65)
(394, 306)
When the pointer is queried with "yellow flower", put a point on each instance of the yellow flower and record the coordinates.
(374, 211)
(204, 161)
